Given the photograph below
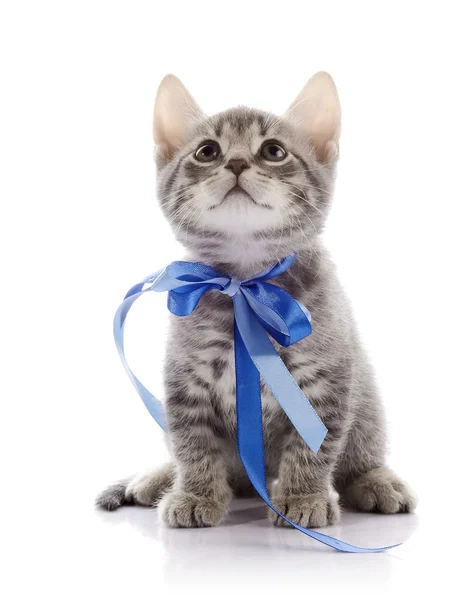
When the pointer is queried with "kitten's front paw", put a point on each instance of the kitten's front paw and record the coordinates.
(312, 510)
(380, 490)
(182, 509)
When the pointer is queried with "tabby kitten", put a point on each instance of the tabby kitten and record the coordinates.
(243, 189)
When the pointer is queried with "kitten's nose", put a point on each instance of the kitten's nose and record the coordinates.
(237, 165)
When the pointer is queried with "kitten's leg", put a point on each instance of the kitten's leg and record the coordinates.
(145, 489)
(201, 492)
(304, 489)
(362, 479)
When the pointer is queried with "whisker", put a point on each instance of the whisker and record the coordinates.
(304, 199)
(177, 191)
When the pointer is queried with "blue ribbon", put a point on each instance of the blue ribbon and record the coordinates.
(259, 308)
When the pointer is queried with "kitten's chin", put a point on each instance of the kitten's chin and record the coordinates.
(240, 234)
(239, 214)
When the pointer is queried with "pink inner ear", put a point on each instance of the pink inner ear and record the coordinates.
(174, 111)
(162, 153)
(325, 148)
(317, 109)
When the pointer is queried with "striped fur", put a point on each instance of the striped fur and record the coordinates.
(286, 212)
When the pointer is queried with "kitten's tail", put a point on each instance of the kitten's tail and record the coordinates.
(114, 496)
(145, 489)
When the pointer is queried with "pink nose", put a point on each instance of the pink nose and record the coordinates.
(237, 165)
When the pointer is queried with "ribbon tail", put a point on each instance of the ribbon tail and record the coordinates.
(250, 440)
(278, 378)
(153, 405)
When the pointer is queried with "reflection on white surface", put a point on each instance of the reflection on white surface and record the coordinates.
(247, 549)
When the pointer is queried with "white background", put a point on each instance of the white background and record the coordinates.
(80, 225)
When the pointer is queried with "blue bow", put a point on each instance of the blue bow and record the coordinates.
(259, 307)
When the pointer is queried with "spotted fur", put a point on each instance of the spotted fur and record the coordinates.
(282, 209)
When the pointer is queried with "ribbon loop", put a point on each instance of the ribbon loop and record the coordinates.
(259, 308)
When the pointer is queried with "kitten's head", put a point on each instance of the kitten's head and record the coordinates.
(245, 185)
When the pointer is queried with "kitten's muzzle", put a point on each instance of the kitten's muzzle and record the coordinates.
(237, 188)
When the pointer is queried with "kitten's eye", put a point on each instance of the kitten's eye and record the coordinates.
(207, 152)
(273, 151)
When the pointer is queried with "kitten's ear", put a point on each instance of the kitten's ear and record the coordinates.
(174, 111)
(317, 110)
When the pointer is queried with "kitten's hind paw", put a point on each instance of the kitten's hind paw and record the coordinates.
(380, 490)
(146, 489)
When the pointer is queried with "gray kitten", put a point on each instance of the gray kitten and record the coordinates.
(243, 189)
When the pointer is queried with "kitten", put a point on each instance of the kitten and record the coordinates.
(243, 189)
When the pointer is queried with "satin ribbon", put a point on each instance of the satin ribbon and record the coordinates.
(259, 308)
